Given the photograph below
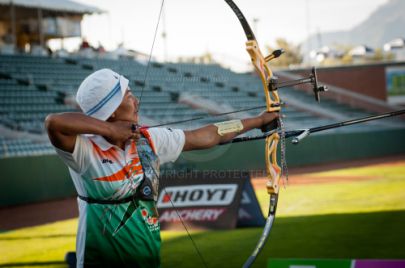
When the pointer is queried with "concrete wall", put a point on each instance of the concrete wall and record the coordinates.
(368, 79)
(34, 179)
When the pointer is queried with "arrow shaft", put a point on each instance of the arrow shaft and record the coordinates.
(294, 133)
(356, 121)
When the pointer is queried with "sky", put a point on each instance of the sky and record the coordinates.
(194, 27)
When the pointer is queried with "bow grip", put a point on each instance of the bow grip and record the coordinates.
(269, 127)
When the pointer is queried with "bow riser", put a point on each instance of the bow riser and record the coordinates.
(265, 73)
(273, 169)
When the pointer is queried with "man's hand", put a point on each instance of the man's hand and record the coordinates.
(267, 118)
(121, 131)
(63, 129)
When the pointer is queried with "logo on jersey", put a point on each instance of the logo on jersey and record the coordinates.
(106, 160)
(146, 190)
(152, 222)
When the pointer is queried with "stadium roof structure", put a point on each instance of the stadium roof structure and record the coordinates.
(66, 6)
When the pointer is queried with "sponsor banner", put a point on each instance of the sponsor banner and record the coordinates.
(379, 264)
(198, 195)
(334, 263)
(250, 213)
(203, 200)
(308, 263)
(395, 80)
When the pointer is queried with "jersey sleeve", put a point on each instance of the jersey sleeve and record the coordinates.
(79, 160)
(168, 143)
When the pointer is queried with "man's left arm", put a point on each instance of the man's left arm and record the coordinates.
(209, 136)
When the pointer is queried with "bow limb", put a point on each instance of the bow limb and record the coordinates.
(273, 171)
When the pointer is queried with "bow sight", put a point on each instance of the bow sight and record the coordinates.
(312, 79)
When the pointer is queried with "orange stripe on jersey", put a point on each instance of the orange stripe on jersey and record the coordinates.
(131, 169)
(132, 149)
(127, 171)
(110, 153)
(145, 132)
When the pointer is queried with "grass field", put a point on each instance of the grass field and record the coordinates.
(361, 218)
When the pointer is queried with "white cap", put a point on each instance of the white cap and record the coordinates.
(100, 94)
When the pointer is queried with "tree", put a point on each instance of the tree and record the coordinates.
(292, 55)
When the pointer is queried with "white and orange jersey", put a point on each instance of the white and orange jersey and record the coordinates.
(101, 170)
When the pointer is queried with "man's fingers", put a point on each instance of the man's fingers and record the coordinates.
(134, 128)
(135, 136)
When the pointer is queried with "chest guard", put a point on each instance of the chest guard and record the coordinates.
(150, 165)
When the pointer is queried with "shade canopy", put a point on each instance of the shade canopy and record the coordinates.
(50, 6)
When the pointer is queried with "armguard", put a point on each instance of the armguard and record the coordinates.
(229, 127)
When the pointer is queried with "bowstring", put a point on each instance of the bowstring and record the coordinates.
(211, 116)
(150, 56)
(139, 106)
(188, 233)
(179, 216)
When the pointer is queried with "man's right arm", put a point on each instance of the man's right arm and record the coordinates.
(63, 129)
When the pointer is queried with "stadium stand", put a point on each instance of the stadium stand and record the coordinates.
(33, 86)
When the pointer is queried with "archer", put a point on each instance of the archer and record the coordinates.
(114, 165)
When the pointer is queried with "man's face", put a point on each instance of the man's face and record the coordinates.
(128, 109)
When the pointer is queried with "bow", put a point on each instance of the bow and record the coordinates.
(273, 104)
(273, 170)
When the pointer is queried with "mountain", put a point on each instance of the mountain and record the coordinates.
(383, 25)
